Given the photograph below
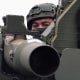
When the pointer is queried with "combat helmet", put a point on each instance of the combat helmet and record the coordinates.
(41, 11)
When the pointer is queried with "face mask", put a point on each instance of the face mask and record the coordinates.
(39, 32)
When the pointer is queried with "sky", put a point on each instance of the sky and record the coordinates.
(19, 7)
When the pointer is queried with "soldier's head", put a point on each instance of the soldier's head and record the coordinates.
(41, 16)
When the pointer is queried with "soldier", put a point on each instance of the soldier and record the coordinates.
(39, 18)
